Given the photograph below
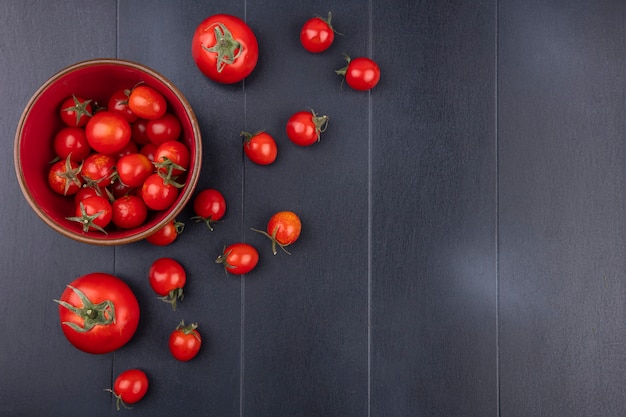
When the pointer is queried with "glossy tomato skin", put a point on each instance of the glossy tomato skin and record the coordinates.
(130, 386)
(133, 169)
(75, 111)
(146, 102)
(139, 131)
(285, 227)
(72, 142)
(167, 234)
(98, 169)
(236, 59)
(361, 74)
(118, 103)
(64, 177)
(176, 153)
(128, 212)
(165, 275)
(93, 212)
(111, 332)
(107, 132)
(185, 342)
(317, 34)
(260, 148)
(157, 194)
(209, 206)
(239, 258)
(165, 128)
(305, 127)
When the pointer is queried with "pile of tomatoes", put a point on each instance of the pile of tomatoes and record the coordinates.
(118, 161)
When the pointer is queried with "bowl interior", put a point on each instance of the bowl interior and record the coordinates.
(40, 121)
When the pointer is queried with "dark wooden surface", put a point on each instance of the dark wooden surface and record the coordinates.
(463, 244)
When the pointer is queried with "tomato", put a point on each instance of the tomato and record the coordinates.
(85, 192)
(75, 111)
(209, 206)
(148, 150)
(131, 147)
(63, 177)
(129, 387)
(107, 132)
(305, 127)
(129, 211)
(118, 103)
(167, 278)
(157, 194)
(317, 34)
(98, 170)
(260, 147)
(71, 141)
(163, 129)
(185, 341)
(139, 132)
(133, 169)
(283, 229)
(361, 73)
(224, 48)
(99, 313)
(146, 102)
(93, 212)
(239, 258)
(171, 159)
(167, 234)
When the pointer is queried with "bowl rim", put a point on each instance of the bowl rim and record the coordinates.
(192, 177)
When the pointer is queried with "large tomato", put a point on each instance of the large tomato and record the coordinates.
(224, 48)
(99, 313)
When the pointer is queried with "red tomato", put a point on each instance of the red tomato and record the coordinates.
(167, 234)
(224, 48)
(146, 102)
(130, 387)
(171, 159)
(133, 169)
(83, 193)
(98, 170)
(185, 341)
(131, 147)
(238, 258)
(99, 313)
(71, 141)
(283, 229)
(317, 34)
(163, 129)
(75, 111)
(157, 194)
(305, 127)
(361, 73)
(149, 149)
(139, 132)
(129, 211)
(118, 103)
(209, 206)
(93, 212)
(107, 132)
(260, 147)
(63, 177)
(167, 278)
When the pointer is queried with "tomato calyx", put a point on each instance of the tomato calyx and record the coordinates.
(102, 314)
(207, 220)
(272, 237)
(342, 71)
(118, 400)
(320, 122)
(70, 174)
(188, 329)
(165, 168)
(80, 109)
(227, 48)
(223, 260)
(172, 297)
(87, 220)
(247, 136)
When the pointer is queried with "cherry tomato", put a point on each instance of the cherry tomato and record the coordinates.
(171, 159)
(139, 132)
(118, 103)
(149, 149)
(361, 73)
(305, 127)
(260, 147)
(157, 194)
(165, 128)
(129, 211)
(98, 170)
(167, 278)
(107, 132)
(63, 177)
(98, 312)
(71, 141)
(146, 102)
(167, 234)
(283, 229)
(317, 34)
(224, 48)
(93, 212)
(129, 387)
(239, 258)
(133, 169)
(209, 206)
(83, 193)
(75, 111)
(185, 341)
(131, 147)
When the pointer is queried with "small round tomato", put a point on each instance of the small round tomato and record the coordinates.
(209, 206)
(185, 341)
(283, 229)
(133, 169)
(131, 147)
(118, 103)
(129, 211)
(107, 132)
(317, 34)
(165, 128)
(72, 142)
(93, 212)
(157, 194)
(167, 278)
(83, 193)
(146, 102)
(63, 177)
(139, 132)
(305, 127)
(98, 170)
(260, 147)
(167, 234)
(361, 73)
(75, 111)
(129, 387)
(171, 159)
(239, 258)
(149, 149)
(224, 48)
(98, 312)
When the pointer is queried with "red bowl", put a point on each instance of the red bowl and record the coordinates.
(96, 79)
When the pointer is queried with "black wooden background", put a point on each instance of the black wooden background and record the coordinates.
(463, 244)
